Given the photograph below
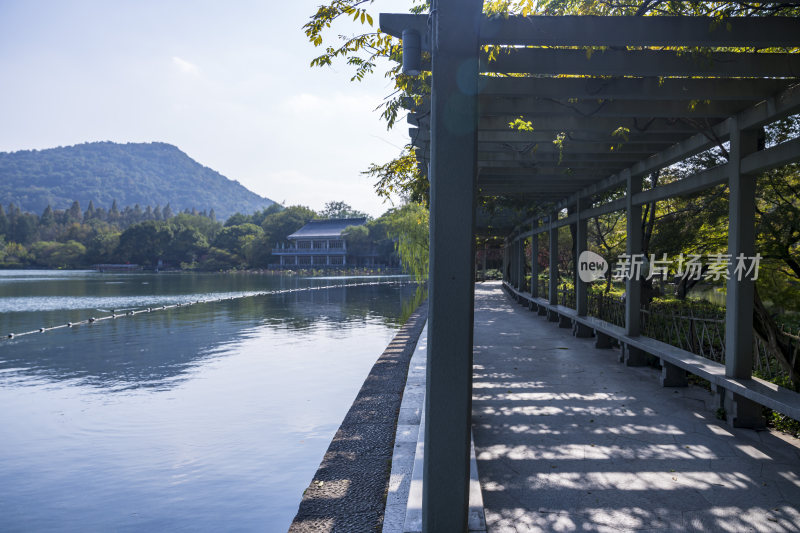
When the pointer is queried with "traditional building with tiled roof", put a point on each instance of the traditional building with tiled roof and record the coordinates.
(318, 243)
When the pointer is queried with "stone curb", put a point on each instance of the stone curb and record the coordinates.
(348, 491)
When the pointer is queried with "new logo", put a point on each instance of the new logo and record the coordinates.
(591, 266)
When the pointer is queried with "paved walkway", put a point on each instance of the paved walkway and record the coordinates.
(568, 439)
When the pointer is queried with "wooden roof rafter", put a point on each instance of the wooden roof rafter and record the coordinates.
(623, 107)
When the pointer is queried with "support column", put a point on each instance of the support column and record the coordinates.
(514, 264)
(511, 275)
(581, 245)
(485, 253)
(448, 400)
(505, 261)
(521, 244)
(553, 281)
(673, 375)
(535, 261)
(509, 245)
(581, 287)
(633, 288)
(740, 411)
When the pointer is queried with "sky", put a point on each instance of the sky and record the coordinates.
(229, 83)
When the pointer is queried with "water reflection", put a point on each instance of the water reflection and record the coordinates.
(209, 417)
(37, 299)
(158, 349)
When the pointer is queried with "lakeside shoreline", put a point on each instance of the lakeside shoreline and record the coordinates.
(268, 271)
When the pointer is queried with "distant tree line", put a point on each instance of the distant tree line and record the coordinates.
(152, 236)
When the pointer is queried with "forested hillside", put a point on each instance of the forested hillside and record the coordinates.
(133, 173)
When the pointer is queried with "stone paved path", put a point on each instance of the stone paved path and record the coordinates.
(568, 439)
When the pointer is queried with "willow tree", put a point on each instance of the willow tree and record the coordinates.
(408, 227)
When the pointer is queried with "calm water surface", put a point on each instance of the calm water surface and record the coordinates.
(212, 417)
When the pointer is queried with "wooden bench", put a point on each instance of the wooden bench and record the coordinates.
(740, 398)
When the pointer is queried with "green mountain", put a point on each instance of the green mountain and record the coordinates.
(134, 173)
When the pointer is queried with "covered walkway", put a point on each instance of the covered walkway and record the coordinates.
(569, 439)
(579, 117)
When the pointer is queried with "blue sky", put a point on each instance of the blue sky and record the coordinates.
(226, 82)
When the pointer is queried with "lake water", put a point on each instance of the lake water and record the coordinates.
(209, 417)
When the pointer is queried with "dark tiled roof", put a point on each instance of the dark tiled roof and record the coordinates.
(325, 229)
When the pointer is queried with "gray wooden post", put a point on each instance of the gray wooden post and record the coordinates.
(633, 287)
(553, 281)
(573, 231)
(509, 263)
(535, 261)
(515, 263)
(505, 261)
(485, 253)
(506, 272)
(512, 264)
(448, 401)
(739, 302)
(521, 264)
(581, 245)
(581, 287)
(552, 292)
(513, 259)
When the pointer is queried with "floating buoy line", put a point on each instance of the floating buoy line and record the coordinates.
(115, 315)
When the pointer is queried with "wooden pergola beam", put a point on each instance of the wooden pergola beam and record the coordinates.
(573, 165)
(773, 108)
(535, 192)
(504, 151)
(530, 107)
(538, 30)
(751, 32)
(506, 172)
(548, 154)
(641, 63)
(484, 163)
(649, 88)
(559, 180)
(515, 137)
(585, 129)
(602, 124)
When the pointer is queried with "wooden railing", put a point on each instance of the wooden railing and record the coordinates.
(699, 331)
